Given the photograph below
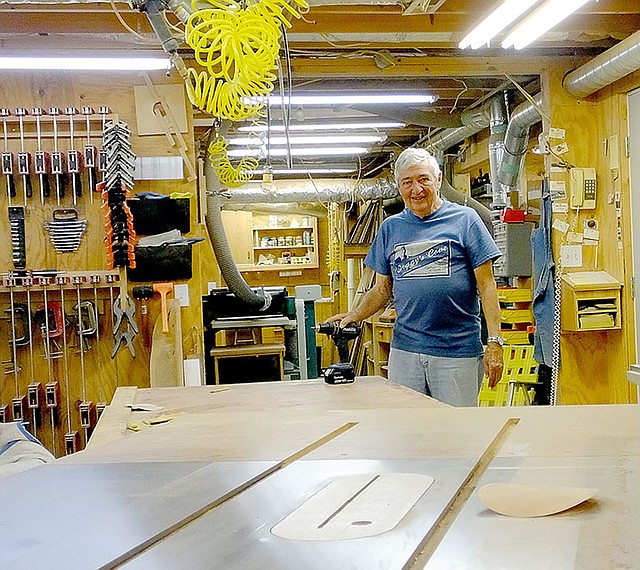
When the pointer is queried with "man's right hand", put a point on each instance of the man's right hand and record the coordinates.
(344, 318)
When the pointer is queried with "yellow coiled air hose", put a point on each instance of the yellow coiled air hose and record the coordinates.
(230, 175)
(238, 49)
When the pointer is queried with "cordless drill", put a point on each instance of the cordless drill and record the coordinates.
(343, 372)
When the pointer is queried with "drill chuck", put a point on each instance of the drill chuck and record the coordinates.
(333, 329)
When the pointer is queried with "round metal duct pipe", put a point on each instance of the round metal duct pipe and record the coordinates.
(615, 63)
(498, 129)
(474, 121)
(516, 141)
(307, 191)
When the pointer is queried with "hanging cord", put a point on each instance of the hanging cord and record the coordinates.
(528, 98)
(179, 30)
(287, 56)
(555, 349)
(127, 27)
(455, 103)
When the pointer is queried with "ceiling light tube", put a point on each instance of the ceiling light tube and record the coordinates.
(540, 21)
(509, 11)
(310, 170)
(321, 127)
(328, 139)
(311, 151)
(129, 63)
(328, 100)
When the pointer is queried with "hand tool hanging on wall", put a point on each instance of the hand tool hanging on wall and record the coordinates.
(65, 229)
(52, 398)
(115, 190)
(90, 155)
(95, 280)
(143, 293)
(43, 324)
(7, 157)
(41, 162)
(102, 153)
(124, 328)
(111, 279)
(21, 335)
(35, 391)
(72, 437)
(52, 389)
(74, 162)
(50, 323)
(11, 365)
(18, 238)
(24, 158)
(87, 312)
(19, 402)
(35, 400)
(164, 289)
(57, 159)
(87, 408)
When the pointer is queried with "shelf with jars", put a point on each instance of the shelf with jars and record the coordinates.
(281, 242)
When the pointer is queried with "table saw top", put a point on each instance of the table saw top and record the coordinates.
(206, 488)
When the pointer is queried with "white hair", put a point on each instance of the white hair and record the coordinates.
(411, 157)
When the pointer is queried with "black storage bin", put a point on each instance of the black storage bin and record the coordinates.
(165, 262)
(158, 215)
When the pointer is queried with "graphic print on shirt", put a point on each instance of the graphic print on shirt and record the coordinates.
(421, 259)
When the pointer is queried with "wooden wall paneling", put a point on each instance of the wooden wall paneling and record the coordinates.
(587, 123)
(614, 101)
(102, 373)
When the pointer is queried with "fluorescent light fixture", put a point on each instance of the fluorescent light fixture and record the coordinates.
(302, 170)
(328, 139)
(336, 99)
(321, 127)
(509, 11)
(123, 63)
(540, 21)
(311, 151)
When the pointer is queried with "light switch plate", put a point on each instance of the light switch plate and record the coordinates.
(181, 292)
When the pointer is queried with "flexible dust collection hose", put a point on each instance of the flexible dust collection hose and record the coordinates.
(238, 49)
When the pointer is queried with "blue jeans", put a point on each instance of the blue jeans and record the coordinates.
(454, 381)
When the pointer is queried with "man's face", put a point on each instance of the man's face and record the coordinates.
(419, 186)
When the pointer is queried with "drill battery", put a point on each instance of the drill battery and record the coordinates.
(341, 373)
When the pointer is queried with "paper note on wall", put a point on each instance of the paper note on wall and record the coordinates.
(571, 255)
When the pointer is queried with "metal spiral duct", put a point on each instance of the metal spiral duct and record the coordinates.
(306, 191)
(498, 129)
(516, 141)
(615, 63)
(474, 121)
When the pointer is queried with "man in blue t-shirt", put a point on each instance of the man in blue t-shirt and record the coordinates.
(434, 259)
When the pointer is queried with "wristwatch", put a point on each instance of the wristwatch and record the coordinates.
(495, 339)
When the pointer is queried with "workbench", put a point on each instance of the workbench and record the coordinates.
(206, 488)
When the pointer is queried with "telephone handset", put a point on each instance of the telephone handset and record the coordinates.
(582, 188)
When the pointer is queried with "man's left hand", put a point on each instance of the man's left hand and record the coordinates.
(493, 363)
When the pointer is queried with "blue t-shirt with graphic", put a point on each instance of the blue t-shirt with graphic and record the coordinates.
(432, 262)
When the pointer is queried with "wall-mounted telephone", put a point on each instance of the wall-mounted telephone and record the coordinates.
(582, 188)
